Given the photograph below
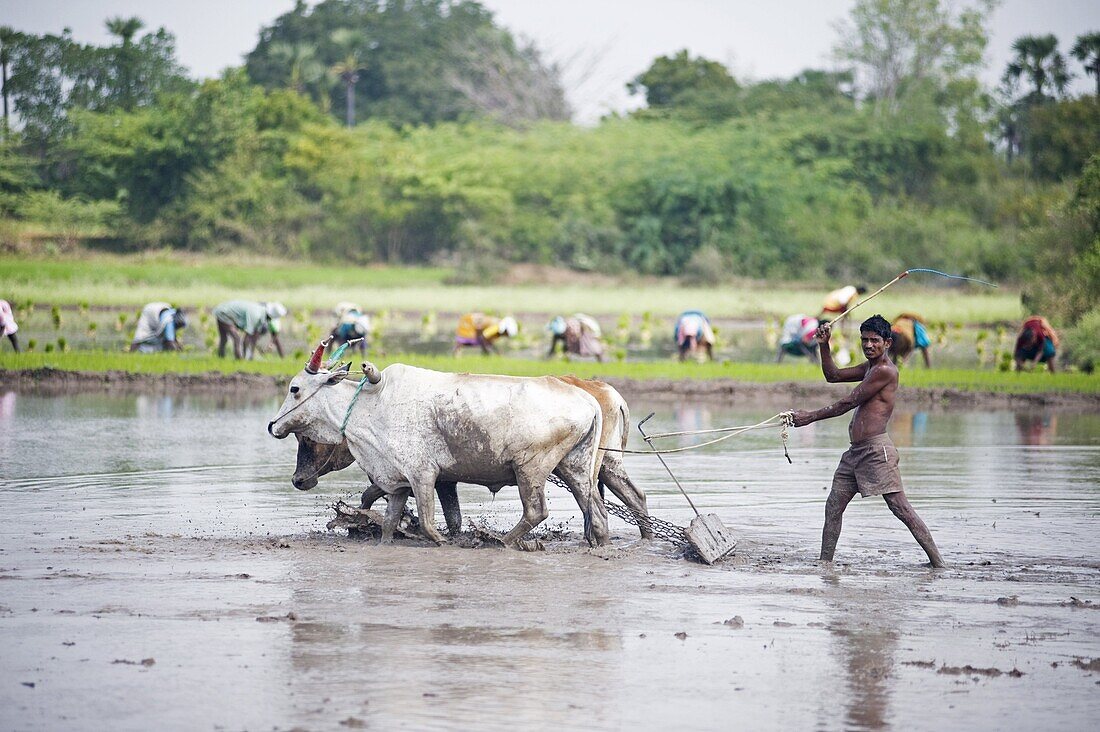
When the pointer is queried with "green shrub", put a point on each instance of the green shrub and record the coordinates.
(1081, 344)
(66, 214)
(706, 268)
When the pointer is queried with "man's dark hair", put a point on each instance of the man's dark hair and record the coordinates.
(878, 325)
(861, 289)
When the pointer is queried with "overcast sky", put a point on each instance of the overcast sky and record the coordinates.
(601, 44)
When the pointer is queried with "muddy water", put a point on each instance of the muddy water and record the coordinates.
(164, 530)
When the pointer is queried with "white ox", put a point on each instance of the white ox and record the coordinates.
(315, 460)
(412, 427)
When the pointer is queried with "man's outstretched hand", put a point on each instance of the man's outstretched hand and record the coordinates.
(823, 333)
(801, 418)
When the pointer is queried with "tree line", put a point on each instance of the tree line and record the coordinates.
(422, 131)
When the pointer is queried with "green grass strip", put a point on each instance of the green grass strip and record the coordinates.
(962, 379)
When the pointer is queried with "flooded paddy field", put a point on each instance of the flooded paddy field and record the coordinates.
(627, 336)
(157, 568)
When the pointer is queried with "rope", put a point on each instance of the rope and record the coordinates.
(733, 432)
(766, 423)
(296, 406)
(347, 415)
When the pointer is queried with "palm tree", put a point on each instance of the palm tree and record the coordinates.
(7, 39)
(1040, 63)
(125, 29)
(348, 72)
(1087, 51)
(305, 69)
(348, 69)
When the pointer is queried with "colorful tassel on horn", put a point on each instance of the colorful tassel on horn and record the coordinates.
(340, 351)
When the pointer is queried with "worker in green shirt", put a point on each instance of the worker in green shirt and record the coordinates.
(243, 322)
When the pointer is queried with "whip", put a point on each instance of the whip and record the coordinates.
(902, 276)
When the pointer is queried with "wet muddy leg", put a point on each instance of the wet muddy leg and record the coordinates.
(900, 507)
(834, 520)
(448, 501)
(371, 496)
(592, 507)
(623, 487)
(532, 495)
(424, 492)
(395, 508)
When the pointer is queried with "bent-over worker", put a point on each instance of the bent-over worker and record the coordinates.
(156, 328)
(243, 322)
(694, 334)
(579, 335)
(870, 467)
(838, 301)
(351, 324)
(478, 329)
(8, 326)
(798, 338)
(910, 332)
(1037, 343)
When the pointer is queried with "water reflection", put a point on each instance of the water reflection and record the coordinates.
(908, 428)
(428, 626)
(7, 427)
(690, 416)
(1037, 428)
(154, 407)
(868, 658)
(7, 407)
(864, 627)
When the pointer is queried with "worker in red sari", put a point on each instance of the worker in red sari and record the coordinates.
(1037, 343)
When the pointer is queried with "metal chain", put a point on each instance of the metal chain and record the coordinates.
(665, 530)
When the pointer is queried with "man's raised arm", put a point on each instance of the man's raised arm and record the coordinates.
(829, 369)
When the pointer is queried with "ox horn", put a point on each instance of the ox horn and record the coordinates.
(314, 364)
(371, 373)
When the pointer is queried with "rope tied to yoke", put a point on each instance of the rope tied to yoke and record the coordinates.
(351, 404)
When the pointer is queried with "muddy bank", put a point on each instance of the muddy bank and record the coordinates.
(57, 382)
(60, 382)
(731, 391)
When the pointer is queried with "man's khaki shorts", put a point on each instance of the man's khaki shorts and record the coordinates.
(869, 468)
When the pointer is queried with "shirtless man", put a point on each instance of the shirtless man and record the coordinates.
(870, 466)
